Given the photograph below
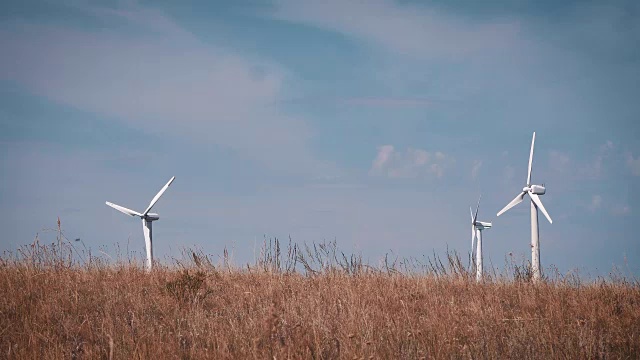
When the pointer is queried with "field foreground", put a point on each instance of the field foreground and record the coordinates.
(122, 312)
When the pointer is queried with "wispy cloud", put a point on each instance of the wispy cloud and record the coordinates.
(407, 29)
(146, 18)
(164, 81)
(411, 163)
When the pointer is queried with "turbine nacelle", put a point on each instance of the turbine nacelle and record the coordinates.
(152, 217)
(124, 210)
(481, 225)
(475, 224)
(535, 189)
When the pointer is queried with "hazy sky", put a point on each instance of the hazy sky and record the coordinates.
(376, 123)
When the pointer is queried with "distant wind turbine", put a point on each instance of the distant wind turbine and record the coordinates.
(147, 219)
(534, 192)
(476, 231)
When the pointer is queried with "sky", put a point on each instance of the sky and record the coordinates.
(372, 123)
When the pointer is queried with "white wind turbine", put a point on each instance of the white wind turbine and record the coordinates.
(147, 219)
(534, 192)
(476, 231)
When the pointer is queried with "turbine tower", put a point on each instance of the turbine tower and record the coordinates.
(476, 231)
(147, 219)
(534, 192)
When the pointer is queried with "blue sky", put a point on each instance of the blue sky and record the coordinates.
(375, 123)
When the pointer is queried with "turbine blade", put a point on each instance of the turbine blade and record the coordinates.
(471, 214)
(158, 195)
(473, 238)
(477, 208)
(513, 203)
(531, 159)
(124, 210)
(538, 202)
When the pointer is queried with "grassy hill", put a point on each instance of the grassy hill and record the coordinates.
(304, 303)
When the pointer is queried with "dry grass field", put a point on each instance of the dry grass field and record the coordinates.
(311, 303)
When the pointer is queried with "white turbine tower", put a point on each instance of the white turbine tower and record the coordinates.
(147, 219)
(534, 192)
(476, 231)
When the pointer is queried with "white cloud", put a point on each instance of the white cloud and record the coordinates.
(163, 80)
(384, 154)
(412, 163)
(475, 168)
(633, 164)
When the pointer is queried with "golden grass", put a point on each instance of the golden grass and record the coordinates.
(53, 308)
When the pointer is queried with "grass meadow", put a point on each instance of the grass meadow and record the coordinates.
(304, 302)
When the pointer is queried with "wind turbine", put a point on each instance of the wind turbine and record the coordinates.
(147, 219)
(534, 192)
(476, 231)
